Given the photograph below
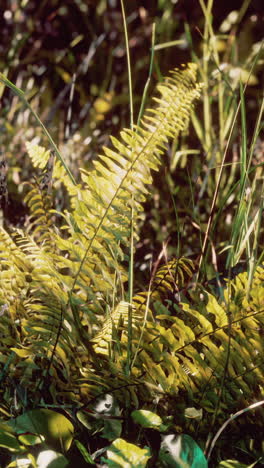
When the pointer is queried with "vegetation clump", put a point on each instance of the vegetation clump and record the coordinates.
(101, 363)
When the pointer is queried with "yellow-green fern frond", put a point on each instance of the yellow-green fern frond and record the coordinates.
(114, 330)
(13, 265)
(103, 210)
(198, 348)
(41, 217)
(40, 157)
(98, 226)
(172, 277)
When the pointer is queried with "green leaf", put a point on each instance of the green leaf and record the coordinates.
(181, 452)
(147, 419)
(30, 439)
(112, 429)
(55, 427)
(23, 353)
(121, 454)
(11, 85)
(9, 441)
(87, 457)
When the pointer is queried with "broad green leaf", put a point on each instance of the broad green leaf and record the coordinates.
(121, 454)
(148, 419)
(85, 419)
(181, 452)
(23, 353)
(55, 427)
(112, 429)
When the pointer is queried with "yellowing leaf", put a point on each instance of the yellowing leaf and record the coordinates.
(146, 418)
(125, 455)
(23, 353)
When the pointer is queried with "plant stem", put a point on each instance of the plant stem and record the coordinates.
(128, 66)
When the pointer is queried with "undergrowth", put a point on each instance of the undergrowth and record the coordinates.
(97, 371)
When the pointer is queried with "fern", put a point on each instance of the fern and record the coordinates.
(62, 293)
(64, 314)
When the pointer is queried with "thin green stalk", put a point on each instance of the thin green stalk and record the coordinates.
(221, 114)
(244, 172)
(208, 227)
(143, 325)
(130, 292)
(131, 260)
(128, 66)
(141, 110)
(52, 142)
(257, 231)
(165, 45)
(258, 126)
(206, 98)
(253, 258)
(243, 165)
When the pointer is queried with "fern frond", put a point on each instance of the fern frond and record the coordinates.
(40, 157)
(98, 228)
(191, 351)
(103, 210)
(171, 277)
(114, 330)
(41, 217)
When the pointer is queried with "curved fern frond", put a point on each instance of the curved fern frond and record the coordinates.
(170, 278)
(126, 171)
(98, 227)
